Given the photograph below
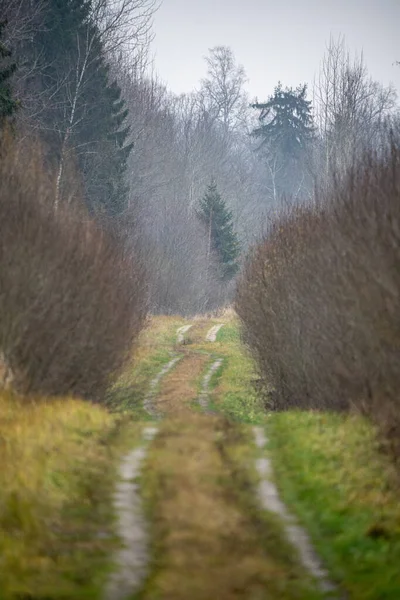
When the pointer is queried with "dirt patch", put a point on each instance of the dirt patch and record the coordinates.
(149, 401)
(179, 387)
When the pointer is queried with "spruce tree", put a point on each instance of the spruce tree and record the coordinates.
(286, 121)
(218, 222)
(8, 105)
(286, 131)
(85, 115)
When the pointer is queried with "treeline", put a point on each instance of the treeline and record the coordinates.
(141, 158)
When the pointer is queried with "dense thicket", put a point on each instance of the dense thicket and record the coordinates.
(73, 295)
(71, 299)
(319, 297)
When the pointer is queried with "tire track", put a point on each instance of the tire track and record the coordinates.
(204, 397)
(148, 403)
(270, 500)
(212, 334)
(132, 559)
(181, 333)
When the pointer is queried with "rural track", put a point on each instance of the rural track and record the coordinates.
(133, 559)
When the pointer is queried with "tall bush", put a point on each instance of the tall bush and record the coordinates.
(319, 297)
(71, 299)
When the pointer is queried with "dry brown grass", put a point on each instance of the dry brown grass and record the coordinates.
(55, 487)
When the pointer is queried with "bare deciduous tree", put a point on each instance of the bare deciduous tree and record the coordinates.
(126, 27)
(222, 92)
(350, 107)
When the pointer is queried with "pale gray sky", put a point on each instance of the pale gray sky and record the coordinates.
(273, 39)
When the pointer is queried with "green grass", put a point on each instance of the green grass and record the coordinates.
(331, 474)
(234, 394)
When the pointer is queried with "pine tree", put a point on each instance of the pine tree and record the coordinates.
(218, 222)
(286, 131)
(104, 135)
(286, 121)
(85, 115)
(8, 105)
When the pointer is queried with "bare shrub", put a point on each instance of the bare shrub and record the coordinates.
(319, 297)
(71, 299)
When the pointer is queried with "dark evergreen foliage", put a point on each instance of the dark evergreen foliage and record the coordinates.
(8, 105)
(85, 113)
(286, 121)
(223, 240)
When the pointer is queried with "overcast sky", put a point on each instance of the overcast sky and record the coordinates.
(273, 39)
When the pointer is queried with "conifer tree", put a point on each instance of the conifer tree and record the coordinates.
(286, 131)
(8, 105)
(85, 115)
(218, 222)
(286, 121)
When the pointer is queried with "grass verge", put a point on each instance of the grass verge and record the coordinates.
(233, 392)
(332, 475)
(57, 477)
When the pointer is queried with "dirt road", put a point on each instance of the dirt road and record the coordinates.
(211, 524)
